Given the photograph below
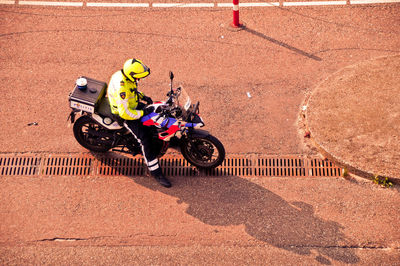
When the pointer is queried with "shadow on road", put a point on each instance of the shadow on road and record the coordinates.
(231, 200)
(282, 44)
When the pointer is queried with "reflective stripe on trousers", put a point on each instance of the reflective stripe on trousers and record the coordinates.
(142, 135)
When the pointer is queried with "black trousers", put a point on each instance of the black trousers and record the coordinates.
(143, 136)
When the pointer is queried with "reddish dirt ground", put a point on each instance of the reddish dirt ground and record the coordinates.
(354, 117)
(198, 221)
(281, 56)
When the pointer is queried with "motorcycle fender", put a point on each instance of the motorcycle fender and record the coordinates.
(199, 133)
(193, 133)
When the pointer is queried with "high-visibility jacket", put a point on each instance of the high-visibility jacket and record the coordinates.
(124, 97)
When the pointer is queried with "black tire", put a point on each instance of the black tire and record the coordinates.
(204, 152)
(82, 128)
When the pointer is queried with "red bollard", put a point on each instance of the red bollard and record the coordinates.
(236, 22)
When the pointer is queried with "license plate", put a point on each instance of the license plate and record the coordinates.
(82, 106)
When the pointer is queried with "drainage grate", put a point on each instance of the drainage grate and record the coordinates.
(273, 166)
(113, 164)
(120, 166)
(19, 165)
(177, 166)
(67, 165)
(319, 167)
(233, 165)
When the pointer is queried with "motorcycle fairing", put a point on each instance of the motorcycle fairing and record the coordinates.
(148, 120)
(173, 127)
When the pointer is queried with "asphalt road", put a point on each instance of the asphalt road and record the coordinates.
(227, 220)
(279, 58)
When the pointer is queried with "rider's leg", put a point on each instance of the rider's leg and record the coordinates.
(143, 136)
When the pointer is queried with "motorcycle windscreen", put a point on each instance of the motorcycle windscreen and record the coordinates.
(184, 101)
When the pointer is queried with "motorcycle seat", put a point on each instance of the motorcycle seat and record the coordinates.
(104, 110)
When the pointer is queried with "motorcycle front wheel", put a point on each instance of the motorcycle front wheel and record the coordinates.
(204, 152)
(89, 134)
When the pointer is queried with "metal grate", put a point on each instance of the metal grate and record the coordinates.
(60, 165)
(274, 166)
(178, 166)
(19, 165)
(120, 166)
(319, 167)
(111, 164)
(237, 165)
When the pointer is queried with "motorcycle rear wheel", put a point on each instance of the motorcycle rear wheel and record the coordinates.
(203, 152)
(84, 129)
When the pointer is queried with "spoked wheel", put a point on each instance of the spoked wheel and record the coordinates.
(89, 134)
(203, 152)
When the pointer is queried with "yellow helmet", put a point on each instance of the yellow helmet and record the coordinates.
(135, 69)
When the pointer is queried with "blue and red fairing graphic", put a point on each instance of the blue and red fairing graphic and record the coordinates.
(171, 125)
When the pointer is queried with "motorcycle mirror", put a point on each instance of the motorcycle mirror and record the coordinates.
(171, 76)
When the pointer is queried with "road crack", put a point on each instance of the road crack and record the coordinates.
(340, 247)
(70, 239)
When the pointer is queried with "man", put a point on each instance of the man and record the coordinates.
(124, 100)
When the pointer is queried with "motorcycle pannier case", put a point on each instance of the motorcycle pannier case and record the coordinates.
(88, 97)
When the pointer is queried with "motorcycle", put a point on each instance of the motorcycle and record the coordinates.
(175, 123)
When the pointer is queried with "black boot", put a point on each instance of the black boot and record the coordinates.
(159, 176)
(163, 181)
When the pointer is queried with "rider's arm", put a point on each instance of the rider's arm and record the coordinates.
(124, 110)
(141, 95)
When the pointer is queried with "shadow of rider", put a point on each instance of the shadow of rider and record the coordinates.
(231, 200)
(267, 217)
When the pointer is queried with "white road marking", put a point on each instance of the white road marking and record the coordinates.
(2, 2)
(183, 4)
(316, 3)
(48, 3)
(261, 4)
(361, 2)
(168, 5)
(92, 4)
(225, 5)
(258, 4)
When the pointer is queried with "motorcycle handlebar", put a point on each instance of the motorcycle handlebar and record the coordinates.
(171, 94)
